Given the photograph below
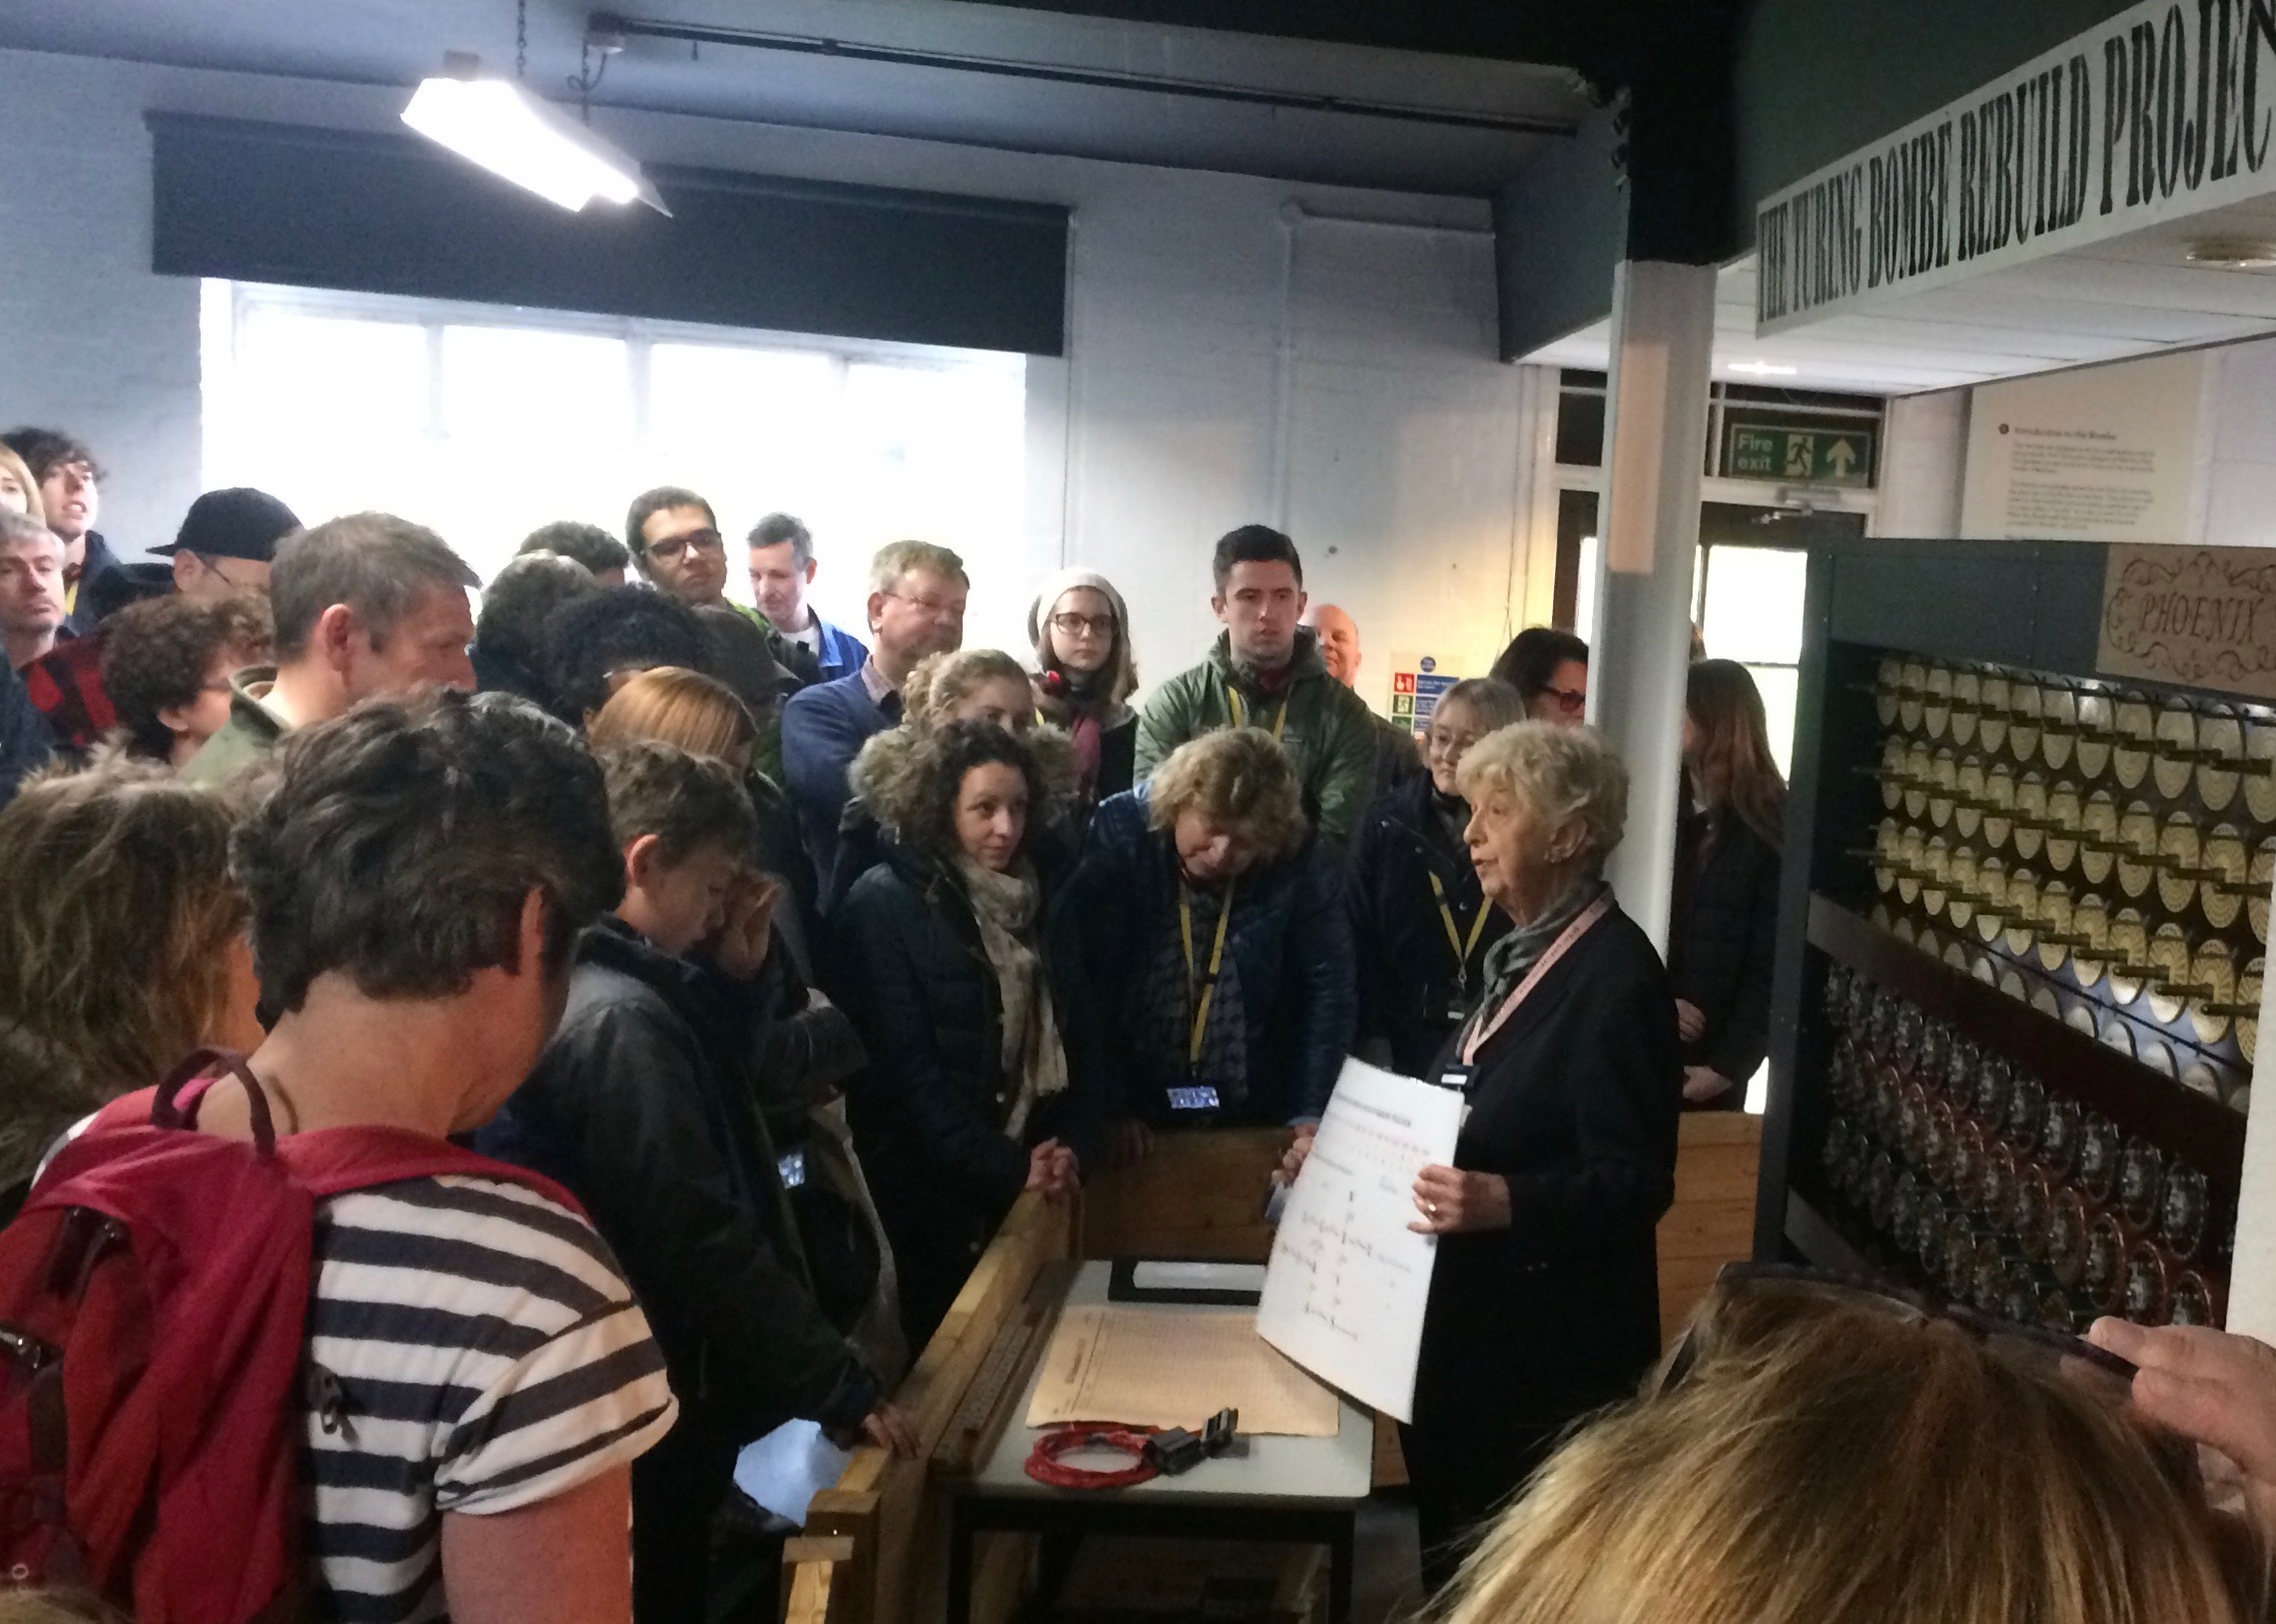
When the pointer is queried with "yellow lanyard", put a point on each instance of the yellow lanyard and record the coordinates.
(1462, 949)
(1239, 708)
(1207, 991)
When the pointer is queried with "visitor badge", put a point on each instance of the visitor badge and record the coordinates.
(1199, 1096)
(1456, 1077)
(792, 1165)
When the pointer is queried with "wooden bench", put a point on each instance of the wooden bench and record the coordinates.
(874, 1551)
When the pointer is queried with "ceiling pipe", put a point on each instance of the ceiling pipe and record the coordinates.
(606, 24)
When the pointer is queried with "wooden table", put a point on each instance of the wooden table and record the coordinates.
(1279, 1490)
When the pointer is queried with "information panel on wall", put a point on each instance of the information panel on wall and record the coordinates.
(2165, 110)
(2104, 453)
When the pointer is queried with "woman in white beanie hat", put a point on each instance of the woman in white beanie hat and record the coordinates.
(1084, 676)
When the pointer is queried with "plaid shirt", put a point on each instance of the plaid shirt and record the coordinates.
(65, 685)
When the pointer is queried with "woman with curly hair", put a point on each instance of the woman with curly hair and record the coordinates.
(122, 949)
(958, 962)
(1216, 933)
(167, 662)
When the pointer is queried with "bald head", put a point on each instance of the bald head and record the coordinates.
(1338, 639)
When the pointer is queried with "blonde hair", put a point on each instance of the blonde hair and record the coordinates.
(941, 682)
(35, 506)
(1239, 778)
(896, 558)
(1493, 702)
(1560, 773)
(117, 912)
(669, 704)
(1826, 1460)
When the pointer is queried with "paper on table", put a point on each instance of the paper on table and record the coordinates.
(1174, 1368)
(1347, 1283)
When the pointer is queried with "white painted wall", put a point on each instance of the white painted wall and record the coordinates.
(1923, 459)
(1238, 349)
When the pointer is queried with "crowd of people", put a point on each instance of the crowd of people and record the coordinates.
(765, 966)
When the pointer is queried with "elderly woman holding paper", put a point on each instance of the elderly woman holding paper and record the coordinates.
(1544, 1301)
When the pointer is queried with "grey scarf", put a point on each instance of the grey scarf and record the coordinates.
(1005, 907)
(1509, 959)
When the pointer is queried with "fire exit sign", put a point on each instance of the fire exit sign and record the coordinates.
(1824, 457)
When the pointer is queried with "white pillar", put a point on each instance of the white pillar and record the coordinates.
(1663, 341)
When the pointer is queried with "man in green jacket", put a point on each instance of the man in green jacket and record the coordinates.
(1266, 671)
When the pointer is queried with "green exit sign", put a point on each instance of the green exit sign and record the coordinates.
(1821, 456)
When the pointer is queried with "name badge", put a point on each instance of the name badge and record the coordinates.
(791, 1165)
(1200, 1097)
(1457, 1010)
(1456, 1078)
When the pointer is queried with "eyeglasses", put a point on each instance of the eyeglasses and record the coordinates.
(1075, 625)
(671, 547)
(1570, 701)
(1797, 1290)
(930, 605)
(1451, 744)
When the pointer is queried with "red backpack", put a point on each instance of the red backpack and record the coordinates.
(154, 1298)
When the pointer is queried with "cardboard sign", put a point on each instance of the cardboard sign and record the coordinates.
(2198, 617)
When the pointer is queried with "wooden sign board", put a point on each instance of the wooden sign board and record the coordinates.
(2198, 617)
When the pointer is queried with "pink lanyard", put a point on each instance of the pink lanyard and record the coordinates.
(1541, 967)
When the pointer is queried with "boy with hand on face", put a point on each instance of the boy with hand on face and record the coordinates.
(641, 1106)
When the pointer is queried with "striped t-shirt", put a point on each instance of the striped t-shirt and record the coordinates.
(488, 1354)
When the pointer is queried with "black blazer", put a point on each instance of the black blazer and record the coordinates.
(1407, 970)
(1720, 954)
(1574, 1102)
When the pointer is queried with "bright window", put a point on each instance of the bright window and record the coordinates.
(487, 423)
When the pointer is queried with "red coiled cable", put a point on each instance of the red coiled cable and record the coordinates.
(1045, 1466)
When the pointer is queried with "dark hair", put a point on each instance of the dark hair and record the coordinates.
(915, 797)
(617, 628)
(776, 529)
(395, 845)
(588, 545)
(1735, 773)
(685, 801)
(744, 659)
(134, 582)
(520, 600)
(1254, 545)
(649, 504)
(156, 655)
(375, 564)
(46, 449)
(1530, 662)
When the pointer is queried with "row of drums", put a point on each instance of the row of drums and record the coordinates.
(2094, 732)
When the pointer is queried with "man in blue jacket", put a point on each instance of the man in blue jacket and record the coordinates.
(782, 568)
(915, 608)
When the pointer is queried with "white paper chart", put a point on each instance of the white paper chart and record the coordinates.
(1347, 1283)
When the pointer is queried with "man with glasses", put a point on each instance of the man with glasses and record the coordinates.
(223, 550)
(915, 608)
(69, 493)
(675, 540)
(782, 568)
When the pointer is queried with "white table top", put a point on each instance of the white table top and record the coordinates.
(1281, 1470)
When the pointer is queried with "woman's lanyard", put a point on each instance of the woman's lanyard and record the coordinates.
(1477, 1036)
(1462, 949)
(1239, 708)
(1206, 991)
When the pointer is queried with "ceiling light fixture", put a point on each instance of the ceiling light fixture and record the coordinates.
(2226, 254)
(1759, 368)
(499, 125)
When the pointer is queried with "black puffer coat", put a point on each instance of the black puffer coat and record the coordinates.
(1409, 976)
(928, 1111)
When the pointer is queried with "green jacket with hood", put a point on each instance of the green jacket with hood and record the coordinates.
(1329, 731)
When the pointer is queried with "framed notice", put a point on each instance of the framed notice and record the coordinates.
(2198, 617)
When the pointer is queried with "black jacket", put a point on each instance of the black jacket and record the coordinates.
(1290, 941)
(640, 1106)
(1720, 951)
(926, 1110)
(1409, 977)
(1574, 1102)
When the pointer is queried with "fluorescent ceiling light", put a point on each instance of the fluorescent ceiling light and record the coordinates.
(2233, 255)
(1759, 368)
(498, 124)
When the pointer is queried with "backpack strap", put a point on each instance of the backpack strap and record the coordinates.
(176, 1101)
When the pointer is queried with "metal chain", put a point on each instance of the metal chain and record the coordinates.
(521, 39)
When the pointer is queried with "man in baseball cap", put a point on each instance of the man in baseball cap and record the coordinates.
(223, 547)
(226, 540)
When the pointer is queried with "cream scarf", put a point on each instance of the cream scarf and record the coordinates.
(1005, 906)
